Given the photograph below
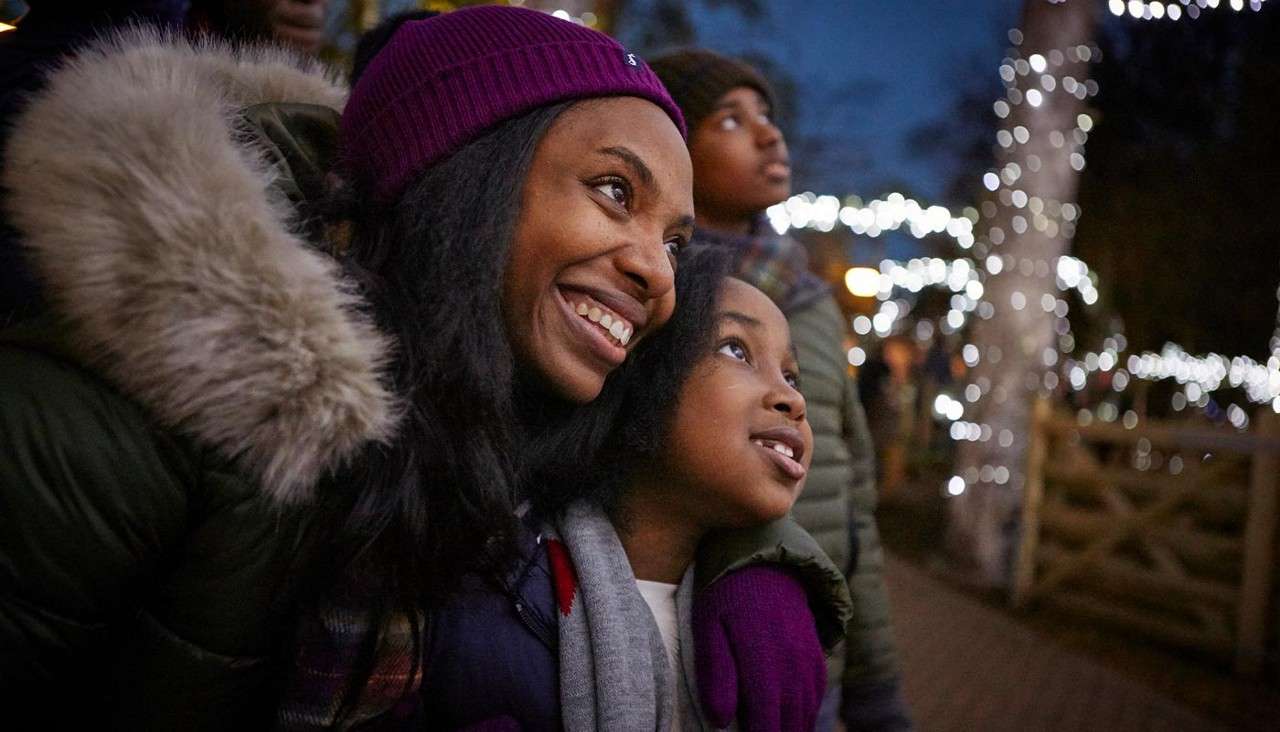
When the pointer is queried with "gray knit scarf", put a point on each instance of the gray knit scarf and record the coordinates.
(614, 673)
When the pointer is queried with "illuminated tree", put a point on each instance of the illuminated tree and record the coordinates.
(1040, 159)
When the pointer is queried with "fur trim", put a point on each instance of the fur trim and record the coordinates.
(161, 245)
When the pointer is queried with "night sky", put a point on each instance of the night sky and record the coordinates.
(907, 54)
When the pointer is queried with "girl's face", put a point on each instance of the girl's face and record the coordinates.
(607, 203)
(740, 444)
(740, 159)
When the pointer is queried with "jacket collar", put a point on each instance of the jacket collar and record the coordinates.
(173, 263)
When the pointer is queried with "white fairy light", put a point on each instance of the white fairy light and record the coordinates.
(1174, 11)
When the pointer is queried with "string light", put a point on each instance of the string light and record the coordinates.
(1171, 10)
(823, 213)
(1032, 80)
(588, 19)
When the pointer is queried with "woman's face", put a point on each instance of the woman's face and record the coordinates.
(607, 203)
(740, 443)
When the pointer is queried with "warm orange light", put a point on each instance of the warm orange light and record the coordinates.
(862, 281)
(6, 27)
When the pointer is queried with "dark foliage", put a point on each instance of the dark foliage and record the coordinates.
(1180, 188)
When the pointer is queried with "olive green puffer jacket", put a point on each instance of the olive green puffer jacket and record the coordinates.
(839, 498)
(162, 428)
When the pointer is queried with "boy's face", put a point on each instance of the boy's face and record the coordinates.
(740, 161)
(741, 443)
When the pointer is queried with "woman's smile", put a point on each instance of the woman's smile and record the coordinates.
(604, 333)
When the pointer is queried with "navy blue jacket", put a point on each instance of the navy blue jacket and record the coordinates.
(492, 651)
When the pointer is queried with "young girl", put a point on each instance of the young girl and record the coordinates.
(708, 432)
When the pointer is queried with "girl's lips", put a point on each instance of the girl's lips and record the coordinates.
(784, 434)
(785, 446)
(789, 467)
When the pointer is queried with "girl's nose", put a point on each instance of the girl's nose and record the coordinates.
(787, 400)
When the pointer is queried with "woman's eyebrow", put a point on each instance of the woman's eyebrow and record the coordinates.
(634, 162)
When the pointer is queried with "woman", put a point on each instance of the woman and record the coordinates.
(204, 368)
(581, 227)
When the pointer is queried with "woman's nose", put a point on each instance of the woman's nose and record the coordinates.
(649, 266)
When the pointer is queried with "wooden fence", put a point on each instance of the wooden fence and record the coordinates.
(1166, 529)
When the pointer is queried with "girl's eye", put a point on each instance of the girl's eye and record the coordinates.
(730, 123)
(793, 379)
(733, 349)
(617, 192)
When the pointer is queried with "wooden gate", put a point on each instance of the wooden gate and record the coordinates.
(1162, 528)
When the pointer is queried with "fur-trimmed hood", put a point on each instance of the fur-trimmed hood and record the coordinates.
(176, 268)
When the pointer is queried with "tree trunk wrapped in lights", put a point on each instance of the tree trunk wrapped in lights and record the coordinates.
(1041, 154)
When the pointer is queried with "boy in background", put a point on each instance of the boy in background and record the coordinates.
(740, 168)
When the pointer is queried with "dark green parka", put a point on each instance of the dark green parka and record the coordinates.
(161, 429)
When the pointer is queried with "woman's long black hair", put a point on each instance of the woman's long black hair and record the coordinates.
(439, 500)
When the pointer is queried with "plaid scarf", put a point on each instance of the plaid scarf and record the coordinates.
(776, 264)
(327, 647)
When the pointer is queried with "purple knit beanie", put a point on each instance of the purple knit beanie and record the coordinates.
(441, 82)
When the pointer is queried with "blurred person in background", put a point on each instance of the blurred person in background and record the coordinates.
(890, 391)
(52, 29)
(295, 23)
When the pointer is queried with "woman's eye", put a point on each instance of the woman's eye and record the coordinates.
(617, 192)
(733, 349)
(793, 380)
(730, 123)
(673, 247)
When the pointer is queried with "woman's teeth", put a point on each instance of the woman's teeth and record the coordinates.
(619, 329)
(777, 447)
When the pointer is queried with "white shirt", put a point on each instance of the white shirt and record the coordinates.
(661, 599)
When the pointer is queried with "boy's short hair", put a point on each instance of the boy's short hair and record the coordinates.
(697, 78)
